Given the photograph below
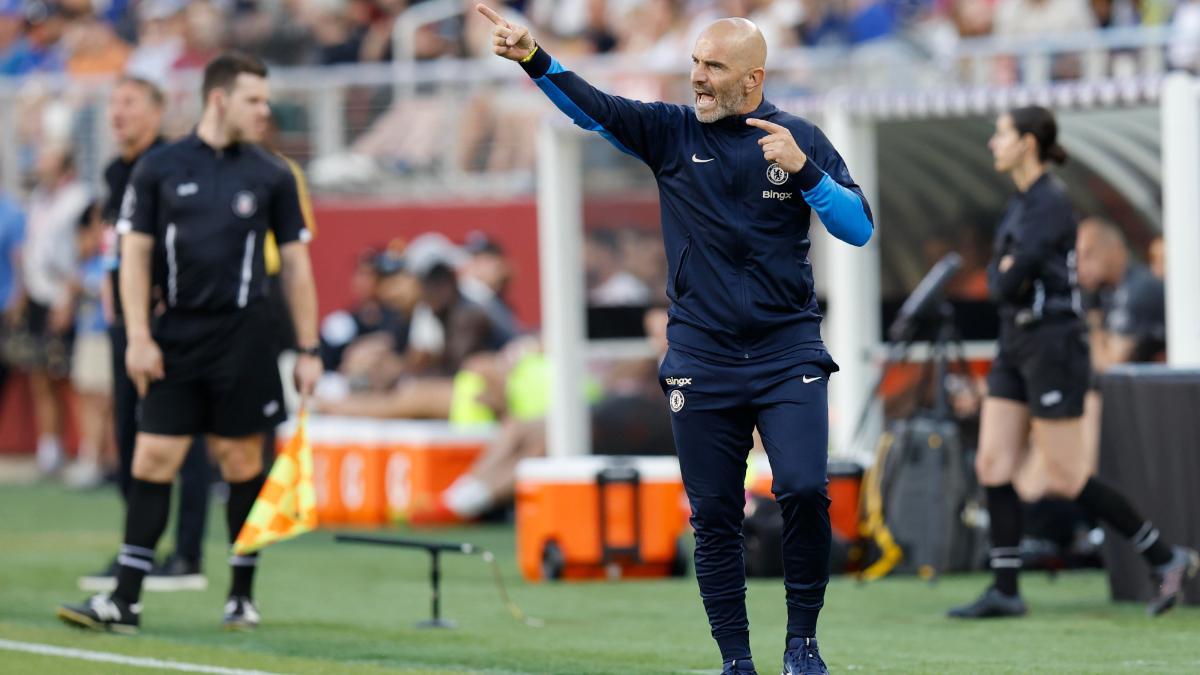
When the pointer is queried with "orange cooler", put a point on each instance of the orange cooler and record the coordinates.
(594, 516)
(369, 472)
(422, 459)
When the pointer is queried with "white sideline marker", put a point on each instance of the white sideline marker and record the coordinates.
(121, 659)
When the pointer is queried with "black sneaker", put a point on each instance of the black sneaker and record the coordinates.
(240, 613)
(803, 658)
(1172, 577)
(103, 581)
(176, 574)
(992, 604)
(103, 613)
(739, 667)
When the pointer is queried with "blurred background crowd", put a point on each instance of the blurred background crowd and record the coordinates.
(154, 38)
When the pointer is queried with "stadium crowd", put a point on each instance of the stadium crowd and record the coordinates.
(153, 38)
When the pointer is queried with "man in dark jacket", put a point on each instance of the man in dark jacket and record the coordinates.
(738, 179)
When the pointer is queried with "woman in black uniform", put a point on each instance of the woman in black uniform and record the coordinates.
(1031, 434)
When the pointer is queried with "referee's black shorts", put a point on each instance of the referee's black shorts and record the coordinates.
(222, 376)
(1045, 366)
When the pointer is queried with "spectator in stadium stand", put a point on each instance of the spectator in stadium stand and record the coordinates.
(338, 37)
(94, 48)
(1032, 439)
(276, 32)
(447, 327)
(870, 20)
(609, 284)
(484, 279)
(12, 24)
(738, 179)
(204, 30)
(380, 313)
(160, 39)
(193, 220)
(91, 360)
(48, 263)
(821, 25)
(1015, 18)
(40, 50)
(135, 110)
(12, 232)
(448, 335)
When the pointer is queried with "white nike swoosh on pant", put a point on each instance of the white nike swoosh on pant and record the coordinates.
(702, 161)
(808, 380)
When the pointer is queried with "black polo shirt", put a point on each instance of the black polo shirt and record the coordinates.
(116, 177)
(209, 211)
(1136, 308)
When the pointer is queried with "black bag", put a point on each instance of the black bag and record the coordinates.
(762, 541)
(762, 537)
(931, 502)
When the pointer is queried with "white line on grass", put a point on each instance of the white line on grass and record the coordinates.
(135, 661)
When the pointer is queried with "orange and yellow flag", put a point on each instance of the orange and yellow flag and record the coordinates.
(287, 504)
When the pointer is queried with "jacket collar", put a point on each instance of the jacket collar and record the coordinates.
(194, 140)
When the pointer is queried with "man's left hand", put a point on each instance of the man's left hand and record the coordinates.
(308, 370)
(779, 147)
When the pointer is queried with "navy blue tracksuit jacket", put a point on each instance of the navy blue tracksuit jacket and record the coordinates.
(735, 230)
(744, 330)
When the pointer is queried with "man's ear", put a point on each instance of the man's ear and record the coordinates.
(217, 97)
(754, 78)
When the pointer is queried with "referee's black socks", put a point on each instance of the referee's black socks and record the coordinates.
(146, 517)
(1108, 505)
(1004, 513)
(241, 499)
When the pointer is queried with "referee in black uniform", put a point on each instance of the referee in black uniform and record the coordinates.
(195, 215)
(135, 114)
(1039, 379)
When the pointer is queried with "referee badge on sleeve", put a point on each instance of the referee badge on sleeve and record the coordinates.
(245, 204)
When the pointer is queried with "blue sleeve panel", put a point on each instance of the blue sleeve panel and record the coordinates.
(635, 128)
(828, 188)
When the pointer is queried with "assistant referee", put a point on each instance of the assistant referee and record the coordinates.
(194, 219)
(1031, 437)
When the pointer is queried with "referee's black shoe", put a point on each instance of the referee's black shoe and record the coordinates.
(103, 613)
(991, 605)
(1172, 577)
(240, 613)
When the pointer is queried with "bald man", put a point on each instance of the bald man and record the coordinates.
(1128, 323)
(738, 179)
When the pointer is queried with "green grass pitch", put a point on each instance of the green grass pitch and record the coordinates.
(336, 608)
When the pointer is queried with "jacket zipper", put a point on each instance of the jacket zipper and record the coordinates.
(738, 185)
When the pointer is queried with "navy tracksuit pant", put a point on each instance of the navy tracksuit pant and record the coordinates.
(715, 406)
